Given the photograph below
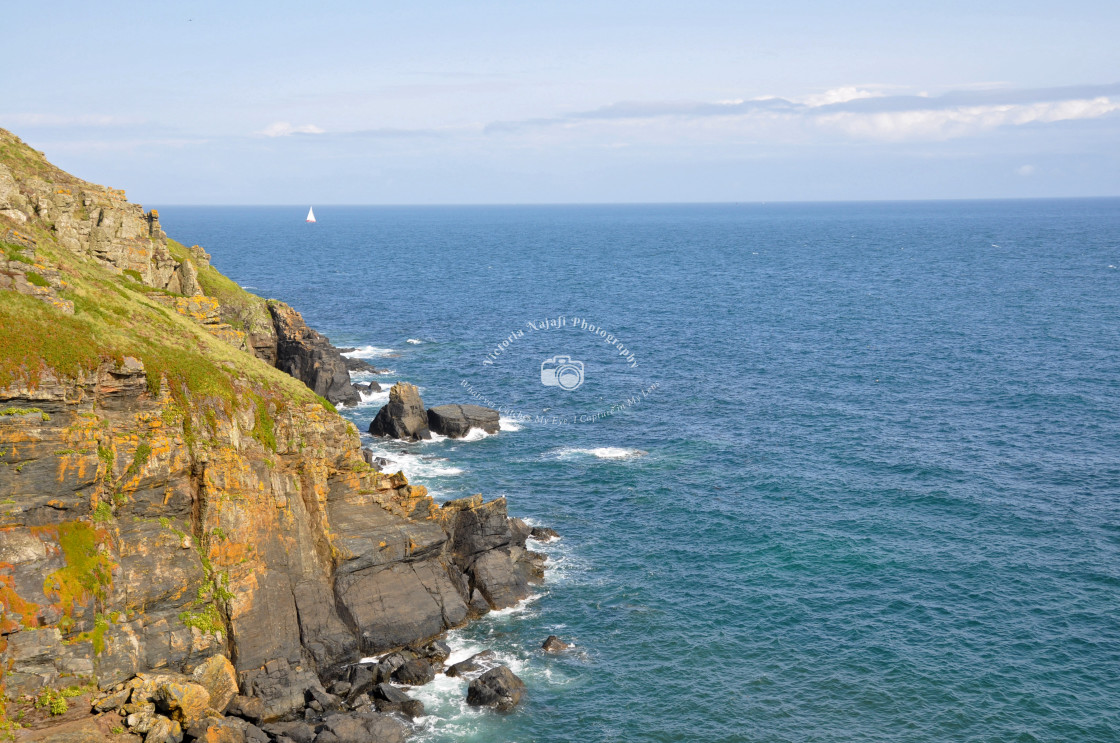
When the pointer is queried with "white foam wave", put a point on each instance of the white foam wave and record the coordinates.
(414, 341)
(381, 397)
(602, 452)
(369, 352)
(508, 424)
(415, 466)
(475, 434)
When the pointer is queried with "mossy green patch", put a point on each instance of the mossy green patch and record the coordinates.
(262, 424)
(102, 513)
(208, 621)
(36, 279)
(140, 458)
(25, 411)
(88, 572)
(96, 636)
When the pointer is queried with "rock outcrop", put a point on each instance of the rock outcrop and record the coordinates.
(456, 421)
(309, 357)
(403, 417)
(166, 497)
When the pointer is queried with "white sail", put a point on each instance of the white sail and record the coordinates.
(311, 214)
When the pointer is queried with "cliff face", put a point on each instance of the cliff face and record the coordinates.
(167, 494)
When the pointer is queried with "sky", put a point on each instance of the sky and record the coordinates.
(610, 101)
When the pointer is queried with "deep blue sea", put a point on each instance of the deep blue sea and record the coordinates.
(828, 472)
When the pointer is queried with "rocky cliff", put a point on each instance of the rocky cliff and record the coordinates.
(41, 205)
(168, 494)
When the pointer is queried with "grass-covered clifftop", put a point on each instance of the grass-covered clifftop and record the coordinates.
(115, 313)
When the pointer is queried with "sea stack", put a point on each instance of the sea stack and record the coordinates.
(404, 417)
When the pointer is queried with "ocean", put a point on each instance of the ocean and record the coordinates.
(823, 472)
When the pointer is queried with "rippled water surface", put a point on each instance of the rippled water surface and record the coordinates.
(872, 491)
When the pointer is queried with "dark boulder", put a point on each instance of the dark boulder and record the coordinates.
(404, 417)
(247, 708)
(362, 727)
(455, 421)
(389, 693)
(498, 688)
(435, 652)
(310, 357)
(281, 689)
(296, 730)
(554, 644)
(327, 702)
(416, 672)
(362, 679)
(388, 698)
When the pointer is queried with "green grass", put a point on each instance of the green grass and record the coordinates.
(37, 279)
(14, 252)
(21, 159)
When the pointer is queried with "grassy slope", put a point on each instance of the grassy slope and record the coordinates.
(114, 318)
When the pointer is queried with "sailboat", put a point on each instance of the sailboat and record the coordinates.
(311, 214)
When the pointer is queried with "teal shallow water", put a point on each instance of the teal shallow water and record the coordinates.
(875, 494)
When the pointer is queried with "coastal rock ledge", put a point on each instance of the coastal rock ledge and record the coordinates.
(456, 421)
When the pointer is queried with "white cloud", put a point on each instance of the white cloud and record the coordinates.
(855, 112)
(1025, 170)
(948, 123)
(838, 95)
(285, 129)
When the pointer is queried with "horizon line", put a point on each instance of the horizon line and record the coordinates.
(767, 202)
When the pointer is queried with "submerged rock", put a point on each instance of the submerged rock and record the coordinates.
(404, 417)
(554, 645)
(543, 534)
(498, 688)
(473, 664)
(456, 421)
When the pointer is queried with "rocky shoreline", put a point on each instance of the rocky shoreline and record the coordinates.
(192, 542)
